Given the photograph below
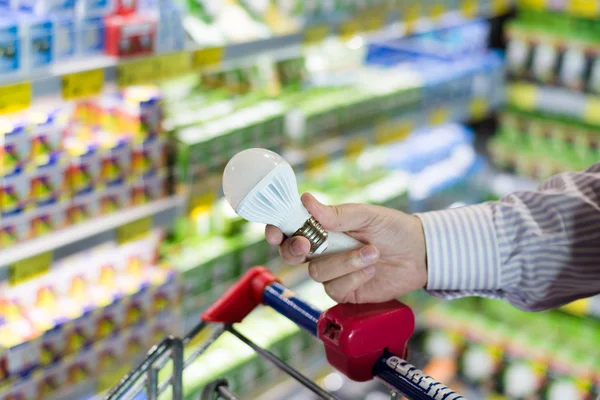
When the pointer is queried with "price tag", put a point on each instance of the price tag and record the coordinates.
(315, 34)
(15, 97)
(500, 7)
(139, 72)
(583, 8)
(355, 147)
(209, 57)
(175, 64)
(201, 202)
(316, 162)
(349, 29)
(538, 5)
(373, 21)
(468, 8)
(437, 10)
(389, 132)
(592, 110)
(522, 95)
(411, 16)
(82, 84)
(134, 230)
(478, 108)
(438, 116)
(29, 268)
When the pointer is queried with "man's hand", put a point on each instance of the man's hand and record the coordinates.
(392, 262)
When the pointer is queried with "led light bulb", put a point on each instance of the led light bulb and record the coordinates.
(261, 187)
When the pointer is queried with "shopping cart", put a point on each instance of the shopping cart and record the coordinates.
(361, 341)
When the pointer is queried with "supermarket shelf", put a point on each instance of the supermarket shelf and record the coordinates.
(49, 82)
(91, 233)
(554, 100)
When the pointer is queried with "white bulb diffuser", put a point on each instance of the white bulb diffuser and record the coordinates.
(261, 187)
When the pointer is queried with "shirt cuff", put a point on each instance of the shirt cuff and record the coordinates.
(462, 251)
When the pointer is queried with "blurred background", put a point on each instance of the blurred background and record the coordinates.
(118, 117)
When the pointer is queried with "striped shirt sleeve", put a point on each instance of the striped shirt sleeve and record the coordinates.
(537, 249)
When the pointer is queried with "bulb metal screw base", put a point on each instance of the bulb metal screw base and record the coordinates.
(314, 232)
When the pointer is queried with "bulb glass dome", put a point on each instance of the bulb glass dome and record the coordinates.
(245, 170)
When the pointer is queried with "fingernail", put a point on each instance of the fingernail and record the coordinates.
(368, 254)
(370, 270)
(296, 248)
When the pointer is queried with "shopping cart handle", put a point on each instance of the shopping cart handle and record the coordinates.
(356, 335)
(241, 298)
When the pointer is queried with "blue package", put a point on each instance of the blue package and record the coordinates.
(94, 8)
(65, 45)
(91, 37)
(38, 36)
(443, 44)
(10, 46)
(427, 146)
(46, 7)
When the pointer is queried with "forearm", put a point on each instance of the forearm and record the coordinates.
(537, 249)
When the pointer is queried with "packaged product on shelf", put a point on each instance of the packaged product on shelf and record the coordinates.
(125, 7)
(140, 112)
(113, 198)
(47, 219)
(48, 183)
(91, 36)
(14, 194)
(45, 7)
(94, 8)
(11, 46)
(82, 207)
(149, 157)
(16, 145)
(38, 35)
(573, 68)
(84, 166)
(21, 350)
(109, 353)
(115, 160)
(65, 38)
(130, 35)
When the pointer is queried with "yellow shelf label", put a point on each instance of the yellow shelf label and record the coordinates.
(438, 116)
(349, 29)
(316, 162)
(315, 34)
(389, 132)
(15, 97)
(29, 268)
(134, 230)
(175, 64)
(468, 8)
(583, 8)
(141, 72)
(202, 202)
(500, 7)
(355, 147)
(373, 21)
(437, 10)
(538, 5)
(82, 84)
(411, 16)
(592, 110)
(522, 95)
(478, 108)
(209, 57)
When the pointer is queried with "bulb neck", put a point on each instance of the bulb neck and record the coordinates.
(316, 235)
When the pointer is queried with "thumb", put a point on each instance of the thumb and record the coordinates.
(341, 218)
